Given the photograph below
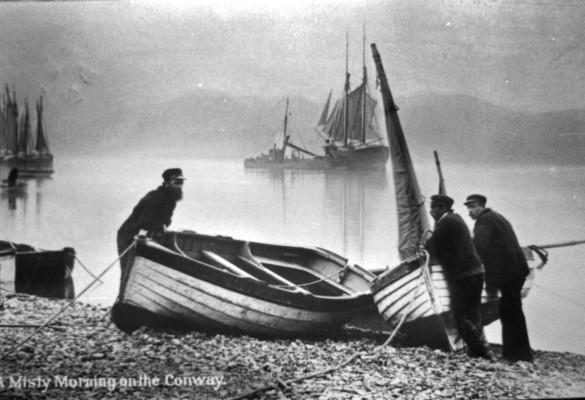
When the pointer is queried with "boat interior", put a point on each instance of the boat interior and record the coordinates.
(288, 271)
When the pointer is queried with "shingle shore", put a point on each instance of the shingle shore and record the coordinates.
(84, 356)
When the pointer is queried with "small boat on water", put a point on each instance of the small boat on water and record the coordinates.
(221, 284)
(45, 273)
(12, 184)
(288, 156)
(415, 291)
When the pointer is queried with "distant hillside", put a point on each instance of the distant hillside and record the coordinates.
(208, 124)
(461, 128)
(465, 129)
(211, 125)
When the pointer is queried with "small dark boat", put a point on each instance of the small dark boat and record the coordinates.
(216, 283)
(45, 273)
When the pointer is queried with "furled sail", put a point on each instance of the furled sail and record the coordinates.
(42, 144)
(25, 138)
(412, 216)
(11, 122)
(2, 127)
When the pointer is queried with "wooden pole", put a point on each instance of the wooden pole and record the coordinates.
(562, 244)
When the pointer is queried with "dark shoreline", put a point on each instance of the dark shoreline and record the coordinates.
(82, 355)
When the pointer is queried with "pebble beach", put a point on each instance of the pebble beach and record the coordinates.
(82, 355)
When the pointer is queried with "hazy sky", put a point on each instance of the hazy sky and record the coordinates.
(523, 54)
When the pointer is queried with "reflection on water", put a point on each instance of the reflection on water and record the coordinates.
(351, 213)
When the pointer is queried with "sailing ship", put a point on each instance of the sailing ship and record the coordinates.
(415, 292)
(221, 284)
(19, 147)
(288, 155)
(352, 137)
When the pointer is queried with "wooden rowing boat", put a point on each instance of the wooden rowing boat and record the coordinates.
(416, 291)
(45, 273)
(217, 283)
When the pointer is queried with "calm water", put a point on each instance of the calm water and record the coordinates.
(353, 214)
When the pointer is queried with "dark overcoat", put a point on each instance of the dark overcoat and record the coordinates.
(453, 247)
(152, 213)
(498, 248)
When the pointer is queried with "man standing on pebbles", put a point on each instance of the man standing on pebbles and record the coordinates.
(153, 212)
(453, 247)
(506, 270)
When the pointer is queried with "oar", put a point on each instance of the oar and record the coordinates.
(562, 244)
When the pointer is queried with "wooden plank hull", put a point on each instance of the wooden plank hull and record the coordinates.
(45, 273)
(428, 320)
(368, 157)
(166, 287)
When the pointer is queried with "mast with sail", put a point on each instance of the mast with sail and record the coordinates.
(25, 139)
(346, 92)
(284, 134)
(442, 189)
(364, 83)
(412, 217)
(42, 143)
(325, 112)
(11, 123)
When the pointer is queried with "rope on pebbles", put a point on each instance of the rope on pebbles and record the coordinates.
(97, 278)
(285, 385)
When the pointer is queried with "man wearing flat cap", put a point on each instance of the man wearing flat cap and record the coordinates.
(506, 270)
(453, 247)
(153, 212)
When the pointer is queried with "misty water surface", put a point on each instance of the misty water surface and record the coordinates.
(351, 213)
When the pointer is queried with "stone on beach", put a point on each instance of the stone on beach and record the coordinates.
(83, 355)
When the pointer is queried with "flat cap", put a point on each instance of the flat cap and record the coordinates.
(442, 199)
(475, 198)
(173, 173)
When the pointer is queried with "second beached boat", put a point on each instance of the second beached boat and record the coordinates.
(415, 292)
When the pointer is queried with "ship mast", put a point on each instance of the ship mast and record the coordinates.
(365, 82)
(345, 99)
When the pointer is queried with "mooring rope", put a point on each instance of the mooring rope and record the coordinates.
(285, 385)
(71, 302)
(86, 269)
(559, 296)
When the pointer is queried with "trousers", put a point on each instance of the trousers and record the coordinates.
(515, 342)
(465, 303)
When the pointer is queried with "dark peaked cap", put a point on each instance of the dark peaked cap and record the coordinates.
(173, 173)
(473, 198)
(442, 200)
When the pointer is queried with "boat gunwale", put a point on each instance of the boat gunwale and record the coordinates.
(252, 288)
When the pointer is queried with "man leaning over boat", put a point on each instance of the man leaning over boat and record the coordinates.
(453, 247)
(153, 213)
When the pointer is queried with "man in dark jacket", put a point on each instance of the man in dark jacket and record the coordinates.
(506, 271)
(153, 212)
(453, 247)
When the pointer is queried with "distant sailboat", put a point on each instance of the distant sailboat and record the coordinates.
(19, 147)
(277, 156)
(354, 139)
